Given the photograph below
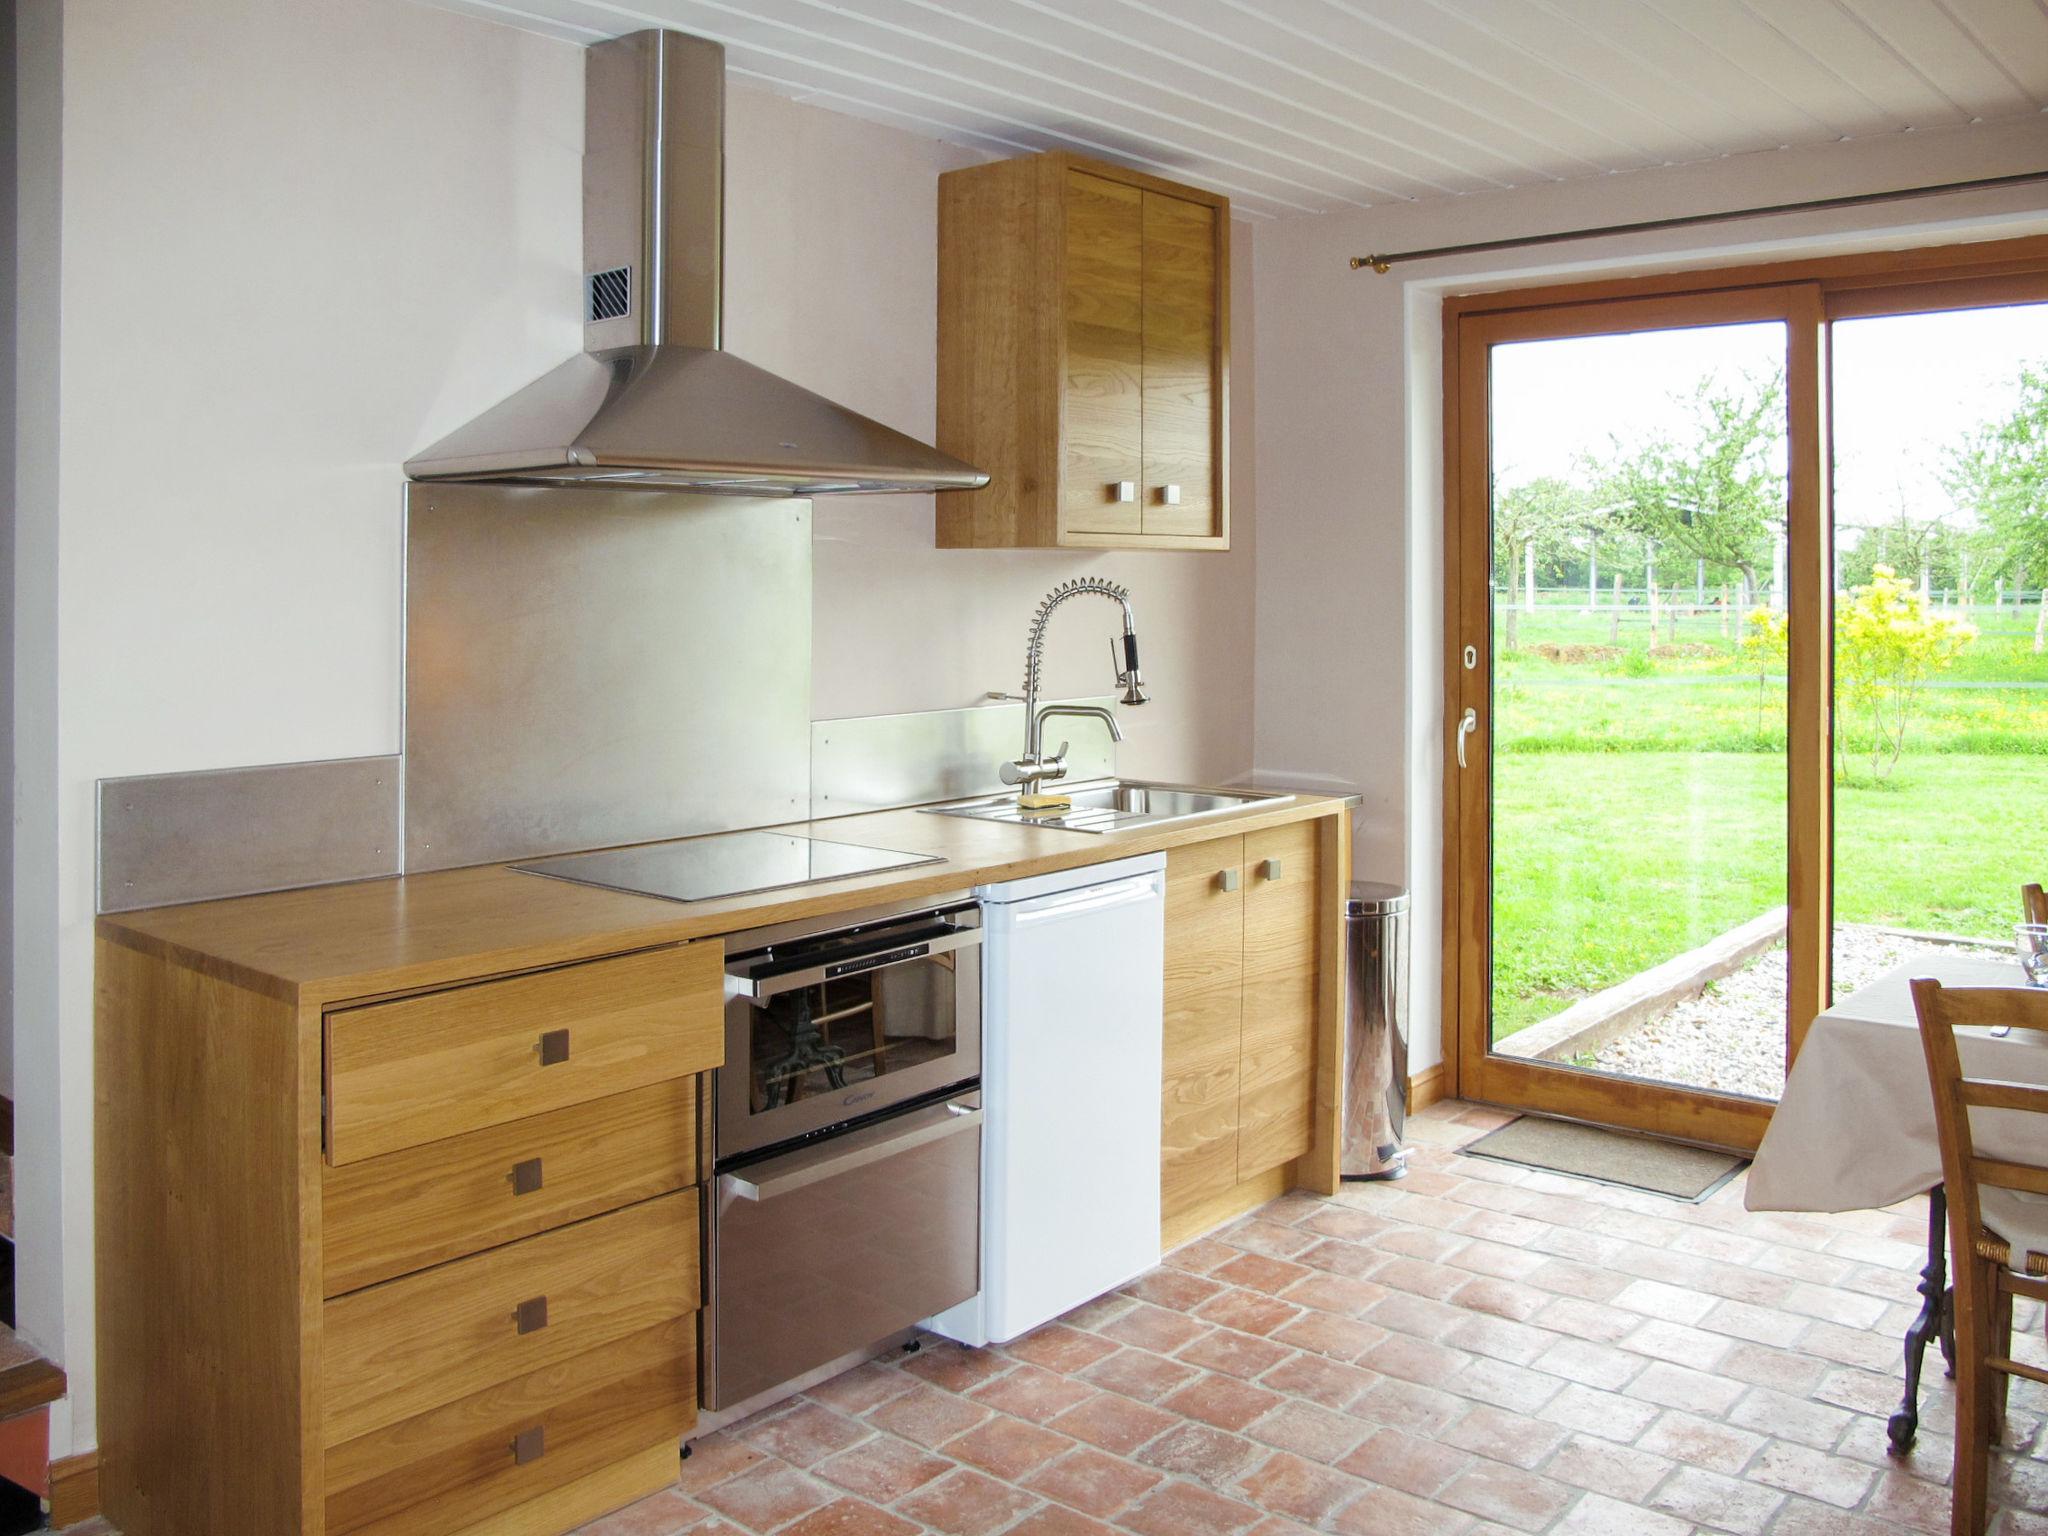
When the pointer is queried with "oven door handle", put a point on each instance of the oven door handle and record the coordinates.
(757, 992)
(782, 1175)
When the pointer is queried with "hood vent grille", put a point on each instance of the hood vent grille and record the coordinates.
(608, 295)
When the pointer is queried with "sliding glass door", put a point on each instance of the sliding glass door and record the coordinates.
(1747, 672)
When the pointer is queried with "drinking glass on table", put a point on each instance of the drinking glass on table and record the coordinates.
(2031, 939)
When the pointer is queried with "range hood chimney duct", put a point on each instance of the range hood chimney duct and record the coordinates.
(652, 401)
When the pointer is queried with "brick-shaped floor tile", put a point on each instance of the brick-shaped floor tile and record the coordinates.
(1588, 1320)
(882, 1468)
(1208, 1455)
(1593, 1365)
(1412, 1463)
(803, 1433)
(927, 1415)
(1698, 1442)
(767, 1494)
(1415, 1360)
(1499, 1338)
(1679, 1343)
(1674, 1304)
(1507, 1495)
(1326, 1333)
(1792, 1418)
(1058, 1347)
(1782, 1370)
(1246, 1311)
(1520, 1389)
(1183, 1509)
(1032, 1392)
(1275, 1239)
(1223, 1401)
(1174, 1289)
(1335, 1293)
(1673, 1386)
(1601, 1466)
(1093, 1481)
(850, 1517)
(1138, 1373)
(1007, 1448)
(967, 1503)
(1724, 1503)
(1259, 1272)
(1236, 1354)
(1514, 1438)
(1115, 1423)
(1814, 1474)
(1606, 1414)
(713, 1459)
(954, 1366)
(864, 1387)
(1597, 1515)
(1408, 1405)
(1334, 1256)
(1309, 1429)
(1055, 1521)
(1390, 1512)
(1290, 1485)
(1154, 1328)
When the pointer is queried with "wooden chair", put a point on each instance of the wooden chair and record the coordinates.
(1998, 1238)
(2034, 902)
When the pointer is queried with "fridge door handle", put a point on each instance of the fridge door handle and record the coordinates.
(1093, 898)
(782, 1175)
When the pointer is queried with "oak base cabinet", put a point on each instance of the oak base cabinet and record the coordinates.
(1244, 952)
(424, 1266)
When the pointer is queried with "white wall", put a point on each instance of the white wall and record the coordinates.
(298, 241)
(1350, 614)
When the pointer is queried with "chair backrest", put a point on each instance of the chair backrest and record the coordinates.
(2034, 902)
(1941, 1011)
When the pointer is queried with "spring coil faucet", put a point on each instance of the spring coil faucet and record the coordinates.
(1035, 768)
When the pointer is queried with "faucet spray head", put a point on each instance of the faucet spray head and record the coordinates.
(1127, 674)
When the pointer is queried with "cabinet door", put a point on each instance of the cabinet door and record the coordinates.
(1276, 1113)
(1103, 388)
(1180, 366)
(1204, 1013)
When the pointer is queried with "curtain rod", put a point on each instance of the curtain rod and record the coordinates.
(1384, 260)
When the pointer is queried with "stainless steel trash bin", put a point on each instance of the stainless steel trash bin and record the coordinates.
(1375, 1030)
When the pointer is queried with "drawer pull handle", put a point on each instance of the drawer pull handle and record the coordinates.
(1227, 879)
(526, 1176)
(529, 1444)
(1270, 869)
(554, 1047)
(532, 1315)
(1123, 490)
(1169, 495)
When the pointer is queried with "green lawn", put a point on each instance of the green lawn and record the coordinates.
(1640, 806)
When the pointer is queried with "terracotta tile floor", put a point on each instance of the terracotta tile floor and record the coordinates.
(1477, 1349)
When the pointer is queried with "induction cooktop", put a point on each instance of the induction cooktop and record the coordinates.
(728, 864)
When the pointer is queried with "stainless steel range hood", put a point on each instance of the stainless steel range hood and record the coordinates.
(651, 400)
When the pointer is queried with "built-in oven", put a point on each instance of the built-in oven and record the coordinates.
(846, 1141)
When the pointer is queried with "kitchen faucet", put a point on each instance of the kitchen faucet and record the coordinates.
(1035, 768)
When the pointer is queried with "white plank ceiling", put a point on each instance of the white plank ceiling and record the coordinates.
(1304, 106)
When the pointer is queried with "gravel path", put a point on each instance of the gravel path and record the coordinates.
(1732, 1036)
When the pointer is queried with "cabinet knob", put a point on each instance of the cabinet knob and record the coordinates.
(529, 1444)
(1123, 490)
(526, 1176)
(531, 1316)
(553, 1047)
(1170, 495)
(1226, 879)
(1270, 870)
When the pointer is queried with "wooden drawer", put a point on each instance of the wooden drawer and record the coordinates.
(390, 1215)
(398, 1349)
(404, 1073)
(450, 1468)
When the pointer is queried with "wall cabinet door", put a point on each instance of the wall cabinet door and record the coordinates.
(1084, 358)
(1204, 1023)
(1106, 313)
(1277, 1082)
(1179, 489)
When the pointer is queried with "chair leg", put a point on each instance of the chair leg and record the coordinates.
(1999, 1383)
(1970, 1487)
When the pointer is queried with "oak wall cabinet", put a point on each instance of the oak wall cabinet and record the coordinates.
(1084, 357)
(1238, 1099)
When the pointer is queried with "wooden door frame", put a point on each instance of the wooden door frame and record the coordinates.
(1807, 296)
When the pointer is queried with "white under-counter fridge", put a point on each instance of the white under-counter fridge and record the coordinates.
(1073, 1003)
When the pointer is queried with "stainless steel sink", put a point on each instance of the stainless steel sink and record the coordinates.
(1113, 805)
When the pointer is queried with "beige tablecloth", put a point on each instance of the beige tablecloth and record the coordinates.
(1855, 1128)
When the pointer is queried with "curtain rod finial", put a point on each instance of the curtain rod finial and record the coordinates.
(1377, 263)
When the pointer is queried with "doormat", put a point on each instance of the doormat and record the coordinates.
(1609, 1157)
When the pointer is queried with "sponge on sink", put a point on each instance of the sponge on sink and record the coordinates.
(1044, 803)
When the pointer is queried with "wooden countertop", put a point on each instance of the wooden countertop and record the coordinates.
(325, 943)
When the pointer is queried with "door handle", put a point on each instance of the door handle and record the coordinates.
(526, 1176)
(1226, 879)
(1123, 490)
(531, 1315)
(553, 1047)
(1269, 870)
(529, 1445)
(1169, 495)
(1466, 727)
